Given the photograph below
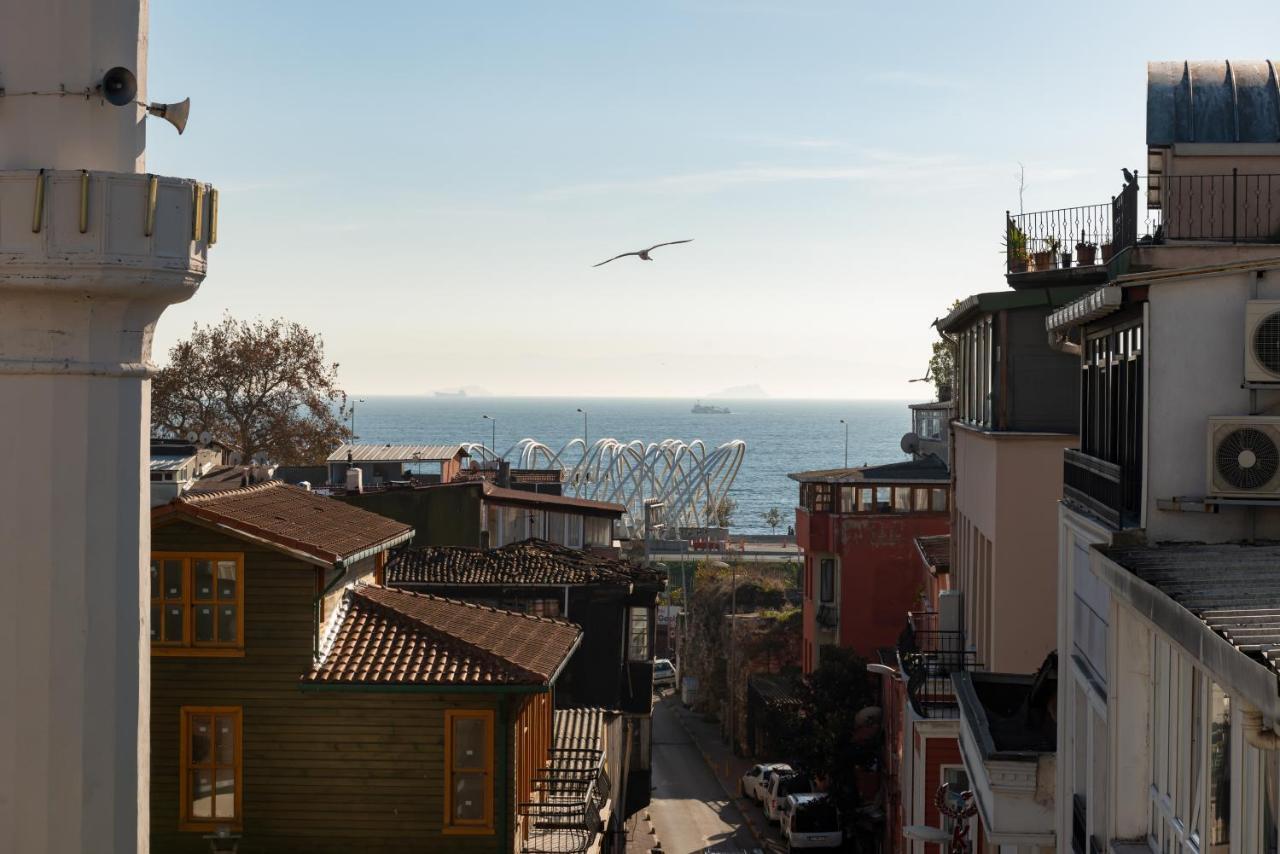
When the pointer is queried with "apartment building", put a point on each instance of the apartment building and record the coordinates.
(1169, 599)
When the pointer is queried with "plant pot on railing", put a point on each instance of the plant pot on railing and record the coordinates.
(1042, 260)
(1018, 265)
(1108, 251)
(1087, 253)
(1066, 260)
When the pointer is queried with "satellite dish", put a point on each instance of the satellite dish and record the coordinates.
(206, 437)
(260, 458)
(910, 444)
(193, 436)
(119, 86)
(174, 114)
(235, 458)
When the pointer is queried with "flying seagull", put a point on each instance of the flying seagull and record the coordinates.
(643, 254)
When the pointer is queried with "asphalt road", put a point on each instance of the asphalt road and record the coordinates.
(688, 808)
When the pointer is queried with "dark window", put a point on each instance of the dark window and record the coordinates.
(827, 579)
(1111, 407)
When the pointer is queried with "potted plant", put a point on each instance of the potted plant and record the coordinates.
(1108, 250)
(1015, 248)
(1043, 259)
(1086, 251)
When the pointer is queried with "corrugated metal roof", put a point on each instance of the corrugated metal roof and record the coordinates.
(395, 453)
(969, 309)
(1233, 589)
(164, 462)
(1212, 101)
(579, 729)
(935, 551)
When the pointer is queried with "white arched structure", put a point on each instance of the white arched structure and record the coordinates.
(686, 480)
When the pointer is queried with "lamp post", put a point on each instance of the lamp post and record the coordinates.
(846, 442)
(584, 431)
(493, 434)
(353, 418)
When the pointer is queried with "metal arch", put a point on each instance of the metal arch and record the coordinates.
(684, 477)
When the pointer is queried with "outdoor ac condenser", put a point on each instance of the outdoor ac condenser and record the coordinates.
(1262, 341)
(1243, 457)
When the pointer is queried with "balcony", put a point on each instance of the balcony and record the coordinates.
(1224, 208)
(566, 813)
(1101, 488)
(927, 656)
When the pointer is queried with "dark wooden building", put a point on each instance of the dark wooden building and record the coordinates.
(612, 599)
(301, 708)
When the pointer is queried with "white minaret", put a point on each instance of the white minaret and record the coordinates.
(92, 250)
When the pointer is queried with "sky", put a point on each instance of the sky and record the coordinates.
(427, 184)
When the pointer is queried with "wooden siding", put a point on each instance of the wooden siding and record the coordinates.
(323, 771)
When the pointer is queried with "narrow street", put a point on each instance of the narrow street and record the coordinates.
(689, 808)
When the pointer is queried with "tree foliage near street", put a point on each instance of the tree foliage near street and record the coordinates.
(263, 386)
(828, 738)
(720, 513)
(773, 518)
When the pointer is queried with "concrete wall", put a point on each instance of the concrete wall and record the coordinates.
(1195, 341)
(1005, 543)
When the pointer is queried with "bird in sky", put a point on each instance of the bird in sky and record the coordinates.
(643, 254)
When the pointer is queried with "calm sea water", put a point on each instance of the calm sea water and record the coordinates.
(781, 435)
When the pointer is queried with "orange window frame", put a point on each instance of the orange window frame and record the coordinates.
(189, 646)
(485, 824)
(186, 821)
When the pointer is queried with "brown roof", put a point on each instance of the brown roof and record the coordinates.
(928, 470)
(520, 496)
(319, 528)
(380, 636)
(531, 562)
(935, 551)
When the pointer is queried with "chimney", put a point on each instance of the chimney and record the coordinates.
(504, 474)
(355, 479)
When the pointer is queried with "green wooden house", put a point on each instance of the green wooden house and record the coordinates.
(296, 705)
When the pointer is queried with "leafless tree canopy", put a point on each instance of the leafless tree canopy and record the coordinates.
(261, 386)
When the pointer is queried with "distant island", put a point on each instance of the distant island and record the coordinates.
(463, 391)
(740, 392)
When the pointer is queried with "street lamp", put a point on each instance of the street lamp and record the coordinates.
(353, 418)
(584, 431)
(493, 435)
(846, 442)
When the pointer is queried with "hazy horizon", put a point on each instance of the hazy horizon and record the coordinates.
(428, 185)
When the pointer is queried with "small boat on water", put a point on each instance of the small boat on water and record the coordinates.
(700, 409)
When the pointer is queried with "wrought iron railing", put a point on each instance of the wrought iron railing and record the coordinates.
(1236, 208)
(563, 816)
(1101, 487)
(1059, 239)
(928, 657)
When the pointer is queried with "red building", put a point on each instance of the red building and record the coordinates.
(862, 572)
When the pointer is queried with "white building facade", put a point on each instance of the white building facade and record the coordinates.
(92, 251)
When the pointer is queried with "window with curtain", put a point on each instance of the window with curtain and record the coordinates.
(827, 579)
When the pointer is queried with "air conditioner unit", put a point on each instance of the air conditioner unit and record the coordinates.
(1262, 341)
(1244, 457)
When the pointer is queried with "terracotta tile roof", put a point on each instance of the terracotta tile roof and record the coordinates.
(320, 528)
(935, 551)
(380, 636)
(545, 500)
(531, 562)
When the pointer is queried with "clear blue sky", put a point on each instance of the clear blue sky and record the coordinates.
(428, 183)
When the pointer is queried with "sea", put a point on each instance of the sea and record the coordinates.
(781, 436)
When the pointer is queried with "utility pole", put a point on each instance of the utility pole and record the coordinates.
(584, 432)
(353, 418)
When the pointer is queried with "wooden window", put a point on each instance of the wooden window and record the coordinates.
(210, 783)
(468, 760)
(197, 603)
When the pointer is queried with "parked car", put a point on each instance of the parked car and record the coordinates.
(756, 780)
(664, 673)
(810, 821)
(782, 785)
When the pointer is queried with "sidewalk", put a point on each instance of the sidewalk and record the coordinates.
(728, 769)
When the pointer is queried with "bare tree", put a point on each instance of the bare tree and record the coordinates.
(261, 386)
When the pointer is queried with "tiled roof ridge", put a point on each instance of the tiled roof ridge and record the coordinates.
(359, 587)
(212, 495)
(334, 629)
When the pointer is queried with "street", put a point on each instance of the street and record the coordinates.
(689, 809)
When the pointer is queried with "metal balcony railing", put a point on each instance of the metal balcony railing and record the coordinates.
(927, 658)
(569, 793)
(1235, 208)
(1102, 488)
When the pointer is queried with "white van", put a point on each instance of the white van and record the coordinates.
(810, 821)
